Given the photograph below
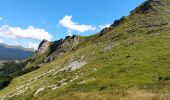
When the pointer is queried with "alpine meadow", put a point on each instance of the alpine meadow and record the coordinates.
(129, 60)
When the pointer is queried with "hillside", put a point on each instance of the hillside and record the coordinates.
(130, 60)
(14, 52)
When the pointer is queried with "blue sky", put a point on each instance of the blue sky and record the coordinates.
(27, 22)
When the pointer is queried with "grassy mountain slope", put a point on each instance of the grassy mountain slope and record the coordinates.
(128, 60)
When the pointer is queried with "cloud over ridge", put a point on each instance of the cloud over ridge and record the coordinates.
(104, 26)
(67, 22)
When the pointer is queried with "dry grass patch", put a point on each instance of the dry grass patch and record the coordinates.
(131, 94)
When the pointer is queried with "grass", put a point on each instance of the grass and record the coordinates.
(118, 68)
(115, 95)
(130, 61)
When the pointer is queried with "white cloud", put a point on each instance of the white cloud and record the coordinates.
(104, 26)
(33, 45)
(28, 44)
(1, 41)
(67, 22)
(28, 33)
(0, 18)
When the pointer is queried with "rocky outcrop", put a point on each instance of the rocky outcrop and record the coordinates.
(62, 46)
(43, 46)
(116, 23)
(161, 6)
(49, 59)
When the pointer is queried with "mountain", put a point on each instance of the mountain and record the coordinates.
(130, 60)
(14, 52)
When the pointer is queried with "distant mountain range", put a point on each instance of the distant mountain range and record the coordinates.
(14, 52)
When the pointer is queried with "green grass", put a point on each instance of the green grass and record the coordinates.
(119, 68)
(130, 61)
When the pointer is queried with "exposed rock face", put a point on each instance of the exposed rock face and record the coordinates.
(156, 14)
(75, 65)
(49, 59)
(61, 47)
(117, 22)
(161, 6)
(43, 46)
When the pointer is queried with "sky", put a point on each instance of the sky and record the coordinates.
(27, 22)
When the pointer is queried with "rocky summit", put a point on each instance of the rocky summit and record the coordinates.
(155, 6)
(43, 46)
(130, 60)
